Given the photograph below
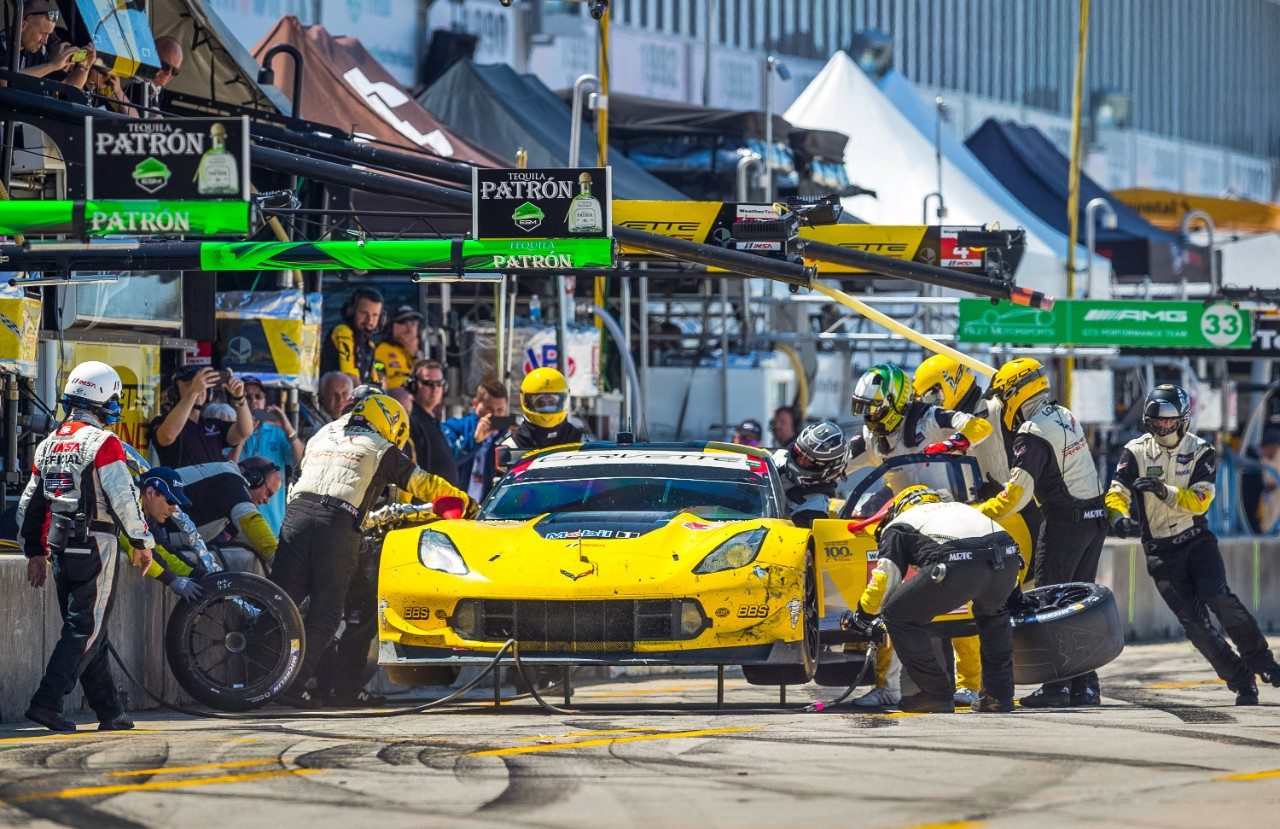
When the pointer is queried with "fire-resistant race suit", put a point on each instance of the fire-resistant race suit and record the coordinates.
(344, 470)
(221, 503)
(1052, 462)
(1182, 553)
(80, 492)
(960, 555)
(922, 426)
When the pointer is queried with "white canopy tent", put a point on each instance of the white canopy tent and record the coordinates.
(888, 154)
(1251, 262)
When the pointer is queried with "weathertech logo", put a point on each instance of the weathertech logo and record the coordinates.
(1134, 315)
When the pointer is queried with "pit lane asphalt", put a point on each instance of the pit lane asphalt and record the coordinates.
(1167, 749)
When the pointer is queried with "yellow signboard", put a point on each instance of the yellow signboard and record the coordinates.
(1166, 210)
(19, 332)
(139, 367)
(711, 223)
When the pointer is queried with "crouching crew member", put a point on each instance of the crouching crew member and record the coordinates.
(1051, 461)
(1171, 472)
(960, 556)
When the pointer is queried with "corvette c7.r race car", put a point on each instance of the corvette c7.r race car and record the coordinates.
(677, 554)
(656, 554)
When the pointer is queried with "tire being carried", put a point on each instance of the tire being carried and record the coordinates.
(238, 646)
(1063, 631)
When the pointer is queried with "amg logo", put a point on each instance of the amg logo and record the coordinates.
(1134, 315)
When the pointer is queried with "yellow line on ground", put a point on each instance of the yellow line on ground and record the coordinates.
(953, 824)
(1253, 775)
(236, 764)
(1196, 683)
(590, 733)
(666, 735)
(42, 738)
(153, 785)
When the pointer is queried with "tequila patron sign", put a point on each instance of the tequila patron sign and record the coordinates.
(543, 203)
(171, 159)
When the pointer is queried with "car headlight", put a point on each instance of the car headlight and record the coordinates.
(436, 552)
(738, 551)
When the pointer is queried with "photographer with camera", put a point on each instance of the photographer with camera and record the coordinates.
(180, 437)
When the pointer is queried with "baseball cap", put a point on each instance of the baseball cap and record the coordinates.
(39, 7)
(168, 483)
(404, 313)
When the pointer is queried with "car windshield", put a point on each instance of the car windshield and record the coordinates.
(712, 493)
(955, 479)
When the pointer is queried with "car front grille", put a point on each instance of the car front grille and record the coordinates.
(613, 624)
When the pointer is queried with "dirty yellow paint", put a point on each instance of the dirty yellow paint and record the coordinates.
(1195, 683)
(154, 785)
(953, 824)
(1253, 775)
(667, 735)
(590, 733)
(43, 738)
(236, 764)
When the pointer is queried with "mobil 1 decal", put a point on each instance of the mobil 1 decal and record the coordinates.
(170, 158)
(542, 203)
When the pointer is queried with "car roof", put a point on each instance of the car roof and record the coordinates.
(692, 453)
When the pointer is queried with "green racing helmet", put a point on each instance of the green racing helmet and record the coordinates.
(881, 397)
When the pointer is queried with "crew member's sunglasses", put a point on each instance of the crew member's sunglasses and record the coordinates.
(53, 15)
(432, 384)
(170, 68)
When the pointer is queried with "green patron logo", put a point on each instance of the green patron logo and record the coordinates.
(1107, 323)
(528, 217)
(151, 175)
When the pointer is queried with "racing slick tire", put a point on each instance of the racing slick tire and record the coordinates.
(417, 675)
(238, 646)
(803, 671)
(1065, 630)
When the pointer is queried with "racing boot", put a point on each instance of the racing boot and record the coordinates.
(50, 719)
(116, 723)
(990, 705)
(1050, 695)
(1246, 690)
(878, 698)
(301, 695)
(1084, 691)
(922, 703)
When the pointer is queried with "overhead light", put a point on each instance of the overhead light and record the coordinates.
(64, 281)
(1110, 108)
(872, 50)
(79, 247)
(457, 277)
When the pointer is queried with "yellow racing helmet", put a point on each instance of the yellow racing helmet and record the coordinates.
(384, 415)
(544, 397)
(1015, 383)
(944, 381)
(912, 496)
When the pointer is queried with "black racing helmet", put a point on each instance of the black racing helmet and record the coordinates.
(818, 454)
(1167, 402)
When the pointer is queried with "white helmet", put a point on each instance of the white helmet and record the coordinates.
(95, 386)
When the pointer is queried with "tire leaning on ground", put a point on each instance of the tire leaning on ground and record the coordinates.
(1074, 628)
(238, 646)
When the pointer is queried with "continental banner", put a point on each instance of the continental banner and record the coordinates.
(1166, 210)
(272, 335)
(711, 223)
(434, 255)
(139, 367)
(134, 218)
(19, 336)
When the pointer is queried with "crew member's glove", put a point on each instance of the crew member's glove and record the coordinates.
(186, 588)
(957, 444)
(867, 624)
(1149, 485)
(1126, 527)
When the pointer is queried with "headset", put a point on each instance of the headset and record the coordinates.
(411, 383)
(349, 307)
(256, 471)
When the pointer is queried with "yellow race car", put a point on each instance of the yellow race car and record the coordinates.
(611, 554)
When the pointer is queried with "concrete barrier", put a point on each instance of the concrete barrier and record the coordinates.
(142, 608)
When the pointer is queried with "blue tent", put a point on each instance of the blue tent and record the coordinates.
(1035, 171)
